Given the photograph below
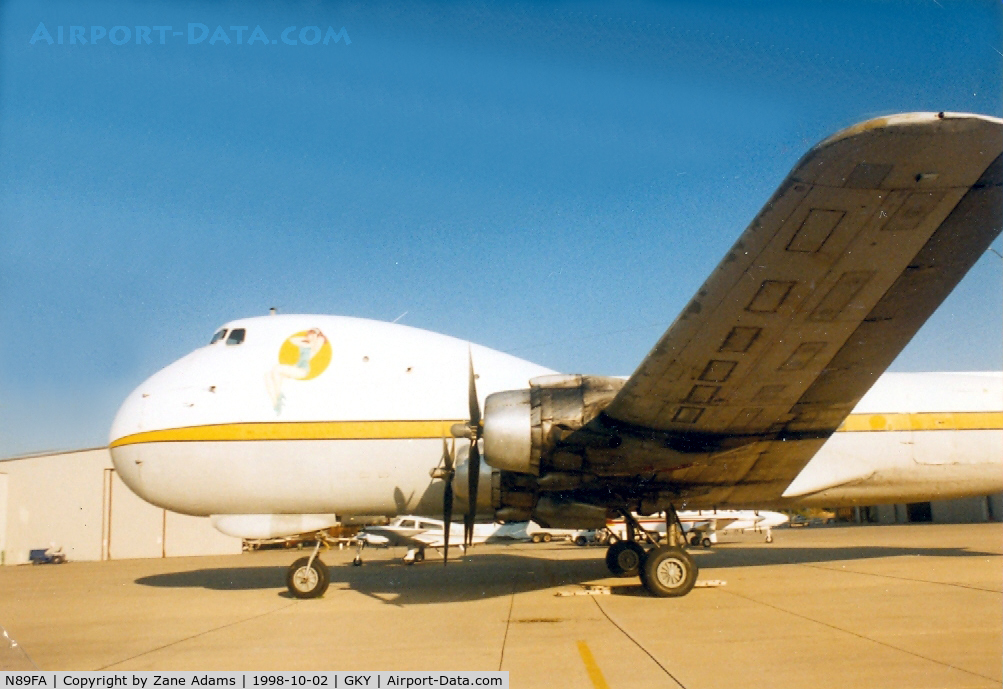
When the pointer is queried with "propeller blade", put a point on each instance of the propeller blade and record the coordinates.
(447, 455)
(447, 498)
(474, 458)
(473, 476)
(475, 408)
(447, 518)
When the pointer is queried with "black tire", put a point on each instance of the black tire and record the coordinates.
(581, 541)
(695, 539)
(668, 572)
(624, 558)
(705, 542)
(420, 555)
(307, 582)
(547, 538)
(357, 562)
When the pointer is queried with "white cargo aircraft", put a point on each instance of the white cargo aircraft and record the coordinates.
(284, 424)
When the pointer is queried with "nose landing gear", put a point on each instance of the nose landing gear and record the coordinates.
(308, 577)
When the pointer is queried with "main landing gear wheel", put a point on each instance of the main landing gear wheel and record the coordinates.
(307, 579)
(705, 542)
(624, 558)
(695, 540)
(668, 572)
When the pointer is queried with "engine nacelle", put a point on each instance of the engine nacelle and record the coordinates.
(522, 428)
(567, 514)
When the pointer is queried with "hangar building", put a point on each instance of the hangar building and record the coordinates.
(76, 500)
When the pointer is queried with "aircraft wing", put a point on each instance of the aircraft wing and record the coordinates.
(859, 245)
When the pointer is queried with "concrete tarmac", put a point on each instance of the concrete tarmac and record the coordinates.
(876, 606)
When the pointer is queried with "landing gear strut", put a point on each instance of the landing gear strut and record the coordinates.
(665, 570)
(357, 560)
(308, 577)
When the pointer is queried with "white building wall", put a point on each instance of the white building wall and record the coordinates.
(3, 517)
(76, 500)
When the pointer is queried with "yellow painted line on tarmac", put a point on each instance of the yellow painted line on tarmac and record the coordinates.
(595, 674)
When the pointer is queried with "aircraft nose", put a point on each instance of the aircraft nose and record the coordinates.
(126, 457)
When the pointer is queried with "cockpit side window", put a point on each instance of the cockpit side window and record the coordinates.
(407, 524)
(236, 336)
(218, 336)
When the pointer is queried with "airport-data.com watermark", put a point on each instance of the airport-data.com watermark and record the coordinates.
(194, 34)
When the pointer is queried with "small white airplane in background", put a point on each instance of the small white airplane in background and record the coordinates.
(763, 393)
(704, 524)
(701, 526)
(417, 533)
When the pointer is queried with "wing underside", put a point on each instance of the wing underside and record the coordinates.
(859, 245)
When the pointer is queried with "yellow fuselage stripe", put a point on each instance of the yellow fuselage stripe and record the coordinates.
(295, 430)
(926, 421)
(398, 430)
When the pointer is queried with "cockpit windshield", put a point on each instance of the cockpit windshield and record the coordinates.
(236, 336)
(218, 336)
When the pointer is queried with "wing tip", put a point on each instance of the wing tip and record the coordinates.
(909, 119)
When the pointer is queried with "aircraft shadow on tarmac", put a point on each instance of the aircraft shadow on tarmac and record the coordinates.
(492, 574)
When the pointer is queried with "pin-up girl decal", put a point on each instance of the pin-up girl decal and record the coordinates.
(302, 356)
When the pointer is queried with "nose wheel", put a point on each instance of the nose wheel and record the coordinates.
(308, 577)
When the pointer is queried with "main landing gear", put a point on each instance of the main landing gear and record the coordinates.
(414, 555)
(665, 570)
(308, 577)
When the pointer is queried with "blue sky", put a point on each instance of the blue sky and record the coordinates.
(553, 180)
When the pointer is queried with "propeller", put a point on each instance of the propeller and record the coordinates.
(446, 472)
(471, 430)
